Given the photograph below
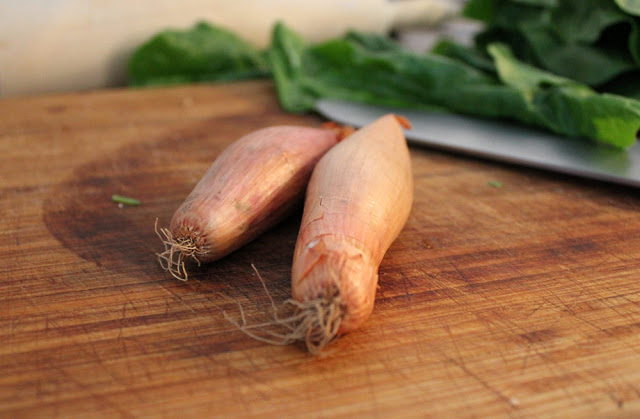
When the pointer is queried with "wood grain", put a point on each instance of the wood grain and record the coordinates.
(522, 300)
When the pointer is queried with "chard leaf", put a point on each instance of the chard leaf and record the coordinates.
(373, 42)
(567, 107)
(584, 20)
(592, 41)
(202, 53)
(483, 10)
(591, 64)
(467, 55)
(286, 57)
(347, 69)
(508, 14)
(490, 83)
(520, 75)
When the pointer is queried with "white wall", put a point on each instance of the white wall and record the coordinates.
(58, 45)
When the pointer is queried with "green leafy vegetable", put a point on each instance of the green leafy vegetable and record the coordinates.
(465, 54)
(346, 68)
(489, 80)
(500, 87)
(591, 41)
(203, 53)
(566, 106)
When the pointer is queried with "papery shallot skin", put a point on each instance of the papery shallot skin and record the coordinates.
(250, 187)
(357, 202)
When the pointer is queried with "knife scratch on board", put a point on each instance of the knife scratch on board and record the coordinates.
(511, 401)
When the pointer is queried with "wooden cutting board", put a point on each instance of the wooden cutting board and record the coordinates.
(514, 299)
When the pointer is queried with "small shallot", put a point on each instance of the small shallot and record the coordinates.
(249, 188)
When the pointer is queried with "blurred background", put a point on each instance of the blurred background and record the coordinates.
(73, 45)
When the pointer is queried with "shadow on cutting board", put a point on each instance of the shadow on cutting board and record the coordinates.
(81, 215)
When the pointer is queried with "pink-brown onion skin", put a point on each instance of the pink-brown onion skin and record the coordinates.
(357, 202)
(251, 186)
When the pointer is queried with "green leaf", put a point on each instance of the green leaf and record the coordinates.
(483, 10)
(286, 58)
(592, 41)
(489, 83)
(520, 75)
(584, 20)
(567, 107)
(588, 63)
(346, 68)
(467, 55)
(202, 53)
(373, 42)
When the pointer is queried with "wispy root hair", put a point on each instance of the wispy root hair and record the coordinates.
(314, 322)
(176, 249)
